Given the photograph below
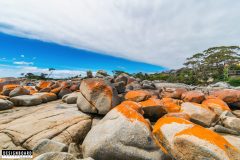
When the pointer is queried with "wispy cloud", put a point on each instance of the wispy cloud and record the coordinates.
(22, 56)
(23, 63)
(162, 32)
(15, 71)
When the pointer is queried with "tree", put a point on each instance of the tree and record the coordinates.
(118, 72)
(212, 63)
(89, 74)
(51, 71)
(43, 76)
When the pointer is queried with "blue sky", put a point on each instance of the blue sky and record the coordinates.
(21, 53)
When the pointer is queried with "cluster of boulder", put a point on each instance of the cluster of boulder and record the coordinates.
(15, 92)
(122, 118)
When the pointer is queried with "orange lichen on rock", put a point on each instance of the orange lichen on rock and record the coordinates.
(99, 85)
(168, 120)
(56, 90)
(134, 105)
(208, 135)
(197, 105)
(178, 115)
(228, 95)
(176, 101)
(171, 105)
(172, 92)
(130, 112)
(151, 102)
(10, 86)
(215, 103)
(43, 84)
(4, 97)
(160, 146)
(137, 95)
(193, 96)
(31, 89)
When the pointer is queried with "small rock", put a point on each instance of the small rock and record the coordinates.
(18, 92)
(120, 86)
(193, 96)
(8, 88)
(26, 100)
(133, 86)
(137, 95)
(198, 113)
(101, 74)
(220, 85)
(43, 84)
(70, 98)
(148, 85)
(171, 105)
(7, 81)
(63, 92)
(47, 89)
(5, 104)
(172, 92)
(221, 129)
(75, 150)
(56, 90)
(66, 84)
(4, 97)
(153, 109)
(31, 89)
(236, 113)
(123, 77)
(74, 87)
(46, 97)
(47, 145)
(232, 123)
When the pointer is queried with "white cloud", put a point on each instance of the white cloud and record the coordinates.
(15, 71)
(23, 63)
(162, 32)
(22, 56)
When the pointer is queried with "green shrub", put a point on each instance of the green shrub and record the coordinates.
(234, 81)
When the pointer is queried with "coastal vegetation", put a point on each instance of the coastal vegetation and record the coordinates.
(210, 66)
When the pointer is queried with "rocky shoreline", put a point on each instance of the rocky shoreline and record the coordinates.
(120, 118)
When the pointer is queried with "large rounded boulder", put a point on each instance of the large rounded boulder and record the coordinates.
(19, 91)
(230, 96)
(193, 96)
(97, 96)
(43, 84)
(153, 109)
(8, 88)
(198, 113)
(185, 140)
(137, 95)
(172, 92)
(216, 105)
(8, 80)
(5, 104)
(122, 134)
